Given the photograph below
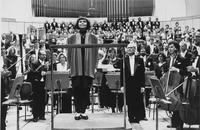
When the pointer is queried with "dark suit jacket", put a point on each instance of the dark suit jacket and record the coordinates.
(62, 26)
(54, 25)
(188, 58)
(179, 63)
(47, 26)
(149, 24)
(141, 25)
(157, 24)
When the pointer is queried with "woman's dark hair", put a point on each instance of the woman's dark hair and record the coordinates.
(59, 56)
(83, 18)
(163, 56)
(176, 45)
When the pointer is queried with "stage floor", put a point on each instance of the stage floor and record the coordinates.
(96, 121)
(101, 118)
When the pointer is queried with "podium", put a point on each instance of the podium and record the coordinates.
(113, 80)
(60, 80)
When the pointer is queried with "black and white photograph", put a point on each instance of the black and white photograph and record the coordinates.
(100, 65)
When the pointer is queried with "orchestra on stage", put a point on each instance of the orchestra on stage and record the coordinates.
(170, 55)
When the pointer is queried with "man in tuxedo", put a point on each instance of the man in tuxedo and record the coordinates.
(135, 83)
(157, 23)
(140, 23)
(63, 26)
(37, 79)
(149, 24)
(47, 26)
(133, 24)
(54, 25)
(175, 62)
(185, 53)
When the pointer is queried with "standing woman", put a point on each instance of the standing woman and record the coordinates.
(82, 63)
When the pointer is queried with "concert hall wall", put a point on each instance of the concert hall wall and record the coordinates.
(113, 9)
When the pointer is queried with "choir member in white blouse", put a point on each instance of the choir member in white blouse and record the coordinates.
(62, 65)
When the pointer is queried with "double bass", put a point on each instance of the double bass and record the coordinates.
(190, 111)
(171, 83)
(186, 101)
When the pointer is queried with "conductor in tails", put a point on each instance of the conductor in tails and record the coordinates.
(135, 83)
(82, 63)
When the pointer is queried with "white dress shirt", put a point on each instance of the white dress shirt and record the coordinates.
(194, 64)
(132, 64)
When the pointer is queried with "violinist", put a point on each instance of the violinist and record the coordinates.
(31, 61)
(176, 63)
(37, 79)
(11, 60)
(185, 53)
(158, 66)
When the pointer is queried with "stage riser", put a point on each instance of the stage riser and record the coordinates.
(103, 121)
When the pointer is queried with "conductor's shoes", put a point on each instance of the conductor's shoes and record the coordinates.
(84, 117)
(145, 119)
(77, 117)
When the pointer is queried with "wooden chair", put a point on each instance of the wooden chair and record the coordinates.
(25, 95)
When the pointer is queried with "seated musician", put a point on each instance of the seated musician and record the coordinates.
(158, 66)
(177, 63)
(109, 59)
(107, 97)
(10, 62)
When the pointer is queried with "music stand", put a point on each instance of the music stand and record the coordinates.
(14, 92)
(157, 88)
(159, 95)
(14, 95)
(96, 83)
(60, 80)
(61, 76)
(148, 75)
(113, 80)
